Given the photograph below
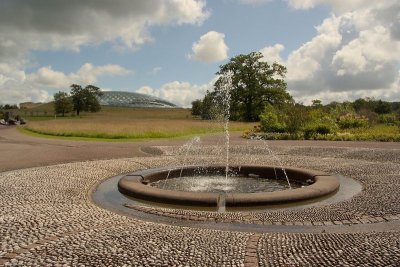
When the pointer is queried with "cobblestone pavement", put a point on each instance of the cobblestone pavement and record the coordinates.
(47, 217)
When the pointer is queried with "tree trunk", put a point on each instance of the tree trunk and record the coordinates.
(249, 113)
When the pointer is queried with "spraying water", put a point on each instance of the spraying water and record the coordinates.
(186, 149)
(279, 163)
(226, 86)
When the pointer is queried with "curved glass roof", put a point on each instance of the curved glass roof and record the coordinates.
(134, 100)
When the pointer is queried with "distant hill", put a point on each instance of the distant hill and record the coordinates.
(29, 105)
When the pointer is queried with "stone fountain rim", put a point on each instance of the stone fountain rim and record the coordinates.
(135, 185)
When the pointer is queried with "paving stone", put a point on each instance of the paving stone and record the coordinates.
(47, 218)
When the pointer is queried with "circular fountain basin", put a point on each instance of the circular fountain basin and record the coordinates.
(316, 184)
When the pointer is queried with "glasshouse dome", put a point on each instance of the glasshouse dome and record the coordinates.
(134, 100)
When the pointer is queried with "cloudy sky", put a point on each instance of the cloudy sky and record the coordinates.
(334, 50)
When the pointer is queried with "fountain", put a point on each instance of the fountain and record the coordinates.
(314, 184)
(230, 186)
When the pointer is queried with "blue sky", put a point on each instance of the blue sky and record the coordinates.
(334, 51)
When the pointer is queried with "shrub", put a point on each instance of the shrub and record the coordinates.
(270, 121)
(391, 118)
(352, 121)
(318, 129)
(296, 117)
(320, 123)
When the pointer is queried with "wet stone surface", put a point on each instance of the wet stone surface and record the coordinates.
(47, 217)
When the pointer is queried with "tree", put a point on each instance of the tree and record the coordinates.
(85, 99)
(367, 103)
(10, 106)
(197, 107)
(209, 107)
(383, 107)
(255, 83)
(316, 103)
(62, 103)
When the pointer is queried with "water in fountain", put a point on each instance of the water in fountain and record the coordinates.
(214, 183)
(185, 149)
(279, 163)
(226, 87)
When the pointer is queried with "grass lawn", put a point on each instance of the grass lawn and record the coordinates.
(116, 123)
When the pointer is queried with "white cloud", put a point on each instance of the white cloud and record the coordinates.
(27, 26)
(389, 94)
(272, 53)
(369, 52)
(9, 72)
(46, 76)
(210, 48)
(15, 89)
(87, 74)
(187, 11)
(306, 61)
(179, 93)
(337, 5)
(354, 54)
(16, 86)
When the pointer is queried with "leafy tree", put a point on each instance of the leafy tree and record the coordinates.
(316, 103)
(85, 99)
(197, 107)
(255, 83)
(367, 103)
(210, 108)
(10, 106)
(383, 107)
(62, 103)
(396, 107)
(372, 105)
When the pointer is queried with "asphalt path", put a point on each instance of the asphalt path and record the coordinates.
(18, 150)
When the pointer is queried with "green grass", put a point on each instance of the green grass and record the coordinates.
(127, 124)
(380, 132)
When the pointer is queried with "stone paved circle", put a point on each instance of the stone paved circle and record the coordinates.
(47, 218)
